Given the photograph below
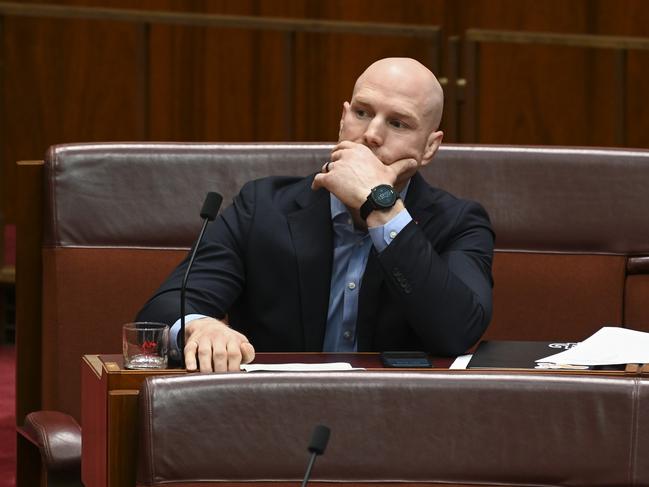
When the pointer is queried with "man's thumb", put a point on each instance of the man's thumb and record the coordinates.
(404, 165)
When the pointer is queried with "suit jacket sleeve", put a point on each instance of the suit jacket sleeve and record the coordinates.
(208, 292)
(444, 283)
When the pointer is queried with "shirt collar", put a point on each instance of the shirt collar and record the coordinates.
(338, 207)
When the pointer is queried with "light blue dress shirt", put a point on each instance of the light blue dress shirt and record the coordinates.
(351, 251)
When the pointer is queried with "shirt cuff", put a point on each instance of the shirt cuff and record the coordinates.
(174, 350)
(383, 235)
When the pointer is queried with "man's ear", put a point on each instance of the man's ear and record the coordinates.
(343, 114)
(432, 144)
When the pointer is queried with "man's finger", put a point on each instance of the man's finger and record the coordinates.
(318, 181)
(234, 356)
(247, 353)
(218, 357)
(336, 154)
(344, 144)
(204, 356)
(190, 355)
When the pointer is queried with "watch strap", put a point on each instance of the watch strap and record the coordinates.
(367, 208)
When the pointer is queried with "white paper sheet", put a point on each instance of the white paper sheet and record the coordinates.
(461, 362)
(295, 367)
(610, 345)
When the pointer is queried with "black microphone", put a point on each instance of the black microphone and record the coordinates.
(210, 208)
(319, 440)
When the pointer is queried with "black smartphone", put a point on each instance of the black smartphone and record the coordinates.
(406, 360)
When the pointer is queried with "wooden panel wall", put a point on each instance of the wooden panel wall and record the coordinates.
(69, 80)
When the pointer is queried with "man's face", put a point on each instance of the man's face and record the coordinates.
(389, 113)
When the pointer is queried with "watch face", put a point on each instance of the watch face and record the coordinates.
(384, 196)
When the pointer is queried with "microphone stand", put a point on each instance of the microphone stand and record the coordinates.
(181, 333)
(208, 213)
(319, 440)
(307, 475)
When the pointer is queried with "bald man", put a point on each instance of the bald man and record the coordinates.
(363, 256)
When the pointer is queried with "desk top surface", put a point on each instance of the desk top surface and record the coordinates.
(114, 363)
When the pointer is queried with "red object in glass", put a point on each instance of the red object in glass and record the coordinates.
(149, 346)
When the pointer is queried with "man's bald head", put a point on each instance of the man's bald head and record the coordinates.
(410, 78)
(395, 110)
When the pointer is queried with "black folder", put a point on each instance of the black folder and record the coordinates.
(500, 354)
(506, 354)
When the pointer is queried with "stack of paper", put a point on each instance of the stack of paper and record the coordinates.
(609, 346)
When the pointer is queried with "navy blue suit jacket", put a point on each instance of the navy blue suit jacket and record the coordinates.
(266, 263)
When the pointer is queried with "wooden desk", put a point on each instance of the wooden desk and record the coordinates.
(109, 418)
(109, 409)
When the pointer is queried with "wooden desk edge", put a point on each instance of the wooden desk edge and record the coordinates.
(95, 364)
(111, 364)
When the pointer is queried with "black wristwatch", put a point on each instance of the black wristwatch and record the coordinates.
(382, 198)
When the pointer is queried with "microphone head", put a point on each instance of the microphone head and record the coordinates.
(319, 439)
(211, 205)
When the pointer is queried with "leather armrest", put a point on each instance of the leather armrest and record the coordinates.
(58, 438)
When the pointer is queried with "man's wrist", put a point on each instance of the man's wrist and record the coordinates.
(379, 218)
(174, 349)
(383, 235)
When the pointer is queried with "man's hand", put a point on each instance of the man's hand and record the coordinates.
(354, 170)
(219, 348)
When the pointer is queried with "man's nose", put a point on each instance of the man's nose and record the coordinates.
(373, 136)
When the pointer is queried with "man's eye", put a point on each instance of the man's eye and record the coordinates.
(360, 113)
(397, 124)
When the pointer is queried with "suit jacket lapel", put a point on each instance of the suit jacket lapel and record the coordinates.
(419, 200)
(311, 233)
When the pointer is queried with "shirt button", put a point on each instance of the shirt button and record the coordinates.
(393, 234)
(347, 335)
(351, 285)
(349, 221)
